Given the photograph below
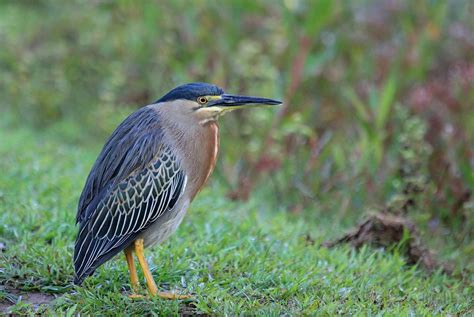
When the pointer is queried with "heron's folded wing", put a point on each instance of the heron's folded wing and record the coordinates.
(134, 181)
(133, 145)
(139, 199)
(129, 208)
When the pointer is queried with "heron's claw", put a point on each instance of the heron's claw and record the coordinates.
(169, 295)
(136, 296)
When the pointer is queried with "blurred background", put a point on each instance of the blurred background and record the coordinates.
(378, 96)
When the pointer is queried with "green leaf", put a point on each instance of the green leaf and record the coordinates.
(320, 12)
(386, 101)
(361, 110)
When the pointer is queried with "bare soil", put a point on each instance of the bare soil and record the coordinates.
(34, 299)
(385, 230)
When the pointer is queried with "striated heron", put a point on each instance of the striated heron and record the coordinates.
(147, 174)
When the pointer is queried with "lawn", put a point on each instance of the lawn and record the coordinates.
(233, 257)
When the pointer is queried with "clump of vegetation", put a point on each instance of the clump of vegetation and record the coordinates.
(390, 227)
(413, 180)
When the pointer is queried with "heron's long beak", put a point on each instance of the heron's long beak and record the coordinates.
(230, 102)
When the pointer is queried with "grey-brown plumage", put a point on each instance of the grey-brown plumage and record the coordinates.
(135, 179)
(149, 171)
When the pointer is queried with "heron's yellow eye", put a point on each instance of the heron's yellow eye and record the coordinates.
(202, 100)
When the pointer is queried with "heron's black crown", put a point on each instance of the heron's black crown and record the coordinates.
(191, 92)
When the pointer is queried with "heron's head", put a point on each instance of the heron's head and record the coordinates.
(206, 102)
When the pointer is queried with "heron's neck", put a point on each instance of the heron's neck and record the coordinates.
(201, 146)
(195, 144)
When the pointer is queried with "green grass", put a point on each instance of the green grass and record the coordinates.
(235, 258)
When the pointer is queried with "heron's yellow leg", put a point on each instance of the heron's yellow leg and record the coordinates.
(139, 251)
(150, 282)
(132, 269)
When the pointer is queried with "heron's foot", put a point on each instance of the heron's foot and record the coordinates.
(164, 295)
(169, 295)
(138, 246)
(136, 296)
